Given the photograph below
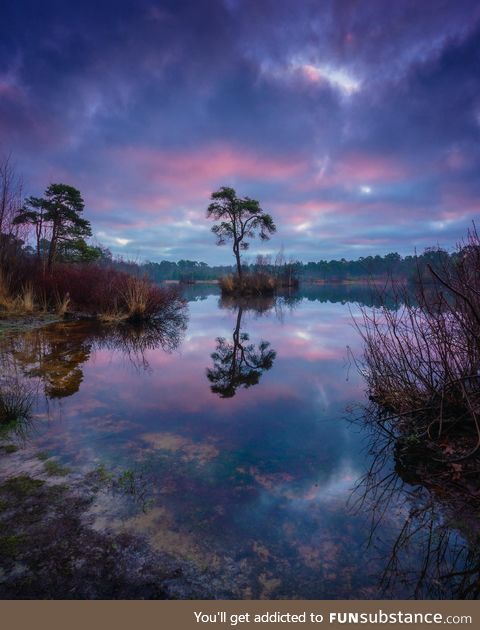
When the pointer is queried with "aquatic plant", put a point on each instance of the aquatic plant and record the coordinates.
(131, 483)
(16, 400)
(54, 469)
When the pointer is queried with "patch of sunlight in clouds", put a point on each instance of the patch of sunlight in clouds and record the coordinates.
(117, 240)
(337, 77)
(303, 227)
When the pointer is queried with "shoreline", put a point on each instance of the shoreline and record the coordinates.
(24, 322)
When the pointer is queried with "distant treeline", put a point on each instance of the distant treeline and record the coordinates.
(325, 270)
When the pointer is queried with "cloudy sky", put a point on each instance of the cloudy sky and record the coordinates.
(355, 123)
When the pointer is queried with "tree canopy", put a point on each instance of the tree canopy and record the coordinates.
(238, 364)
(56, 218)
(239, 219)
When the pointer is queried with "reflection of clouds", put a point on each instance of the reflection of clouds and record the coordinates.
(336, 489)
(108, 424)
(325, 347)
(187, 450)
(307, 493)
(322, 396)
(225, 468)
(308, 377)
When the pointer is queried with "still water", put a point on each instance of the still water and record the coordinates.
(236, 428)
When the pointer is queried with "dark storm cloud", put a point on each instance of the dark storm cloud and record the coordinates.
(356, 124)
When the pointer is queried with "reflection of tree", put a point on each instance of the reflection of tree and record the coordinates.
(238, 364)
(54, 355)
(259, 304)
(263, 304)
(435, 552)
(51, 355)
(133, 340)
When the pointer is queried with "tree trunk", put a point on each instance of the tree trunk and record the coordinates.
(236, 342)
(52, 250)
(236, 251)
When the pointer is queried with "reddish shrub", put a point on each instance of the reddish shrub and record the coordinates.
(104, 291)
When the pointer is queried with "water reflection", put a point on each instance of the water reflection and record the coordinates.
(435, 551)
(217, 470)
(55, 354)
(374, 295)
(239, 363)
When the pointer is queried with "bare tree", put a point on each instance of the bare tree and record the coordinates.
(12, 236)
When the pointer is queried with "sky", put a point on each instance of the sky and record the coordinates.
(356, 124)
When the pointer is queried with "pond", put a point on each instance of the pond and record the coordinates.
(229, 442)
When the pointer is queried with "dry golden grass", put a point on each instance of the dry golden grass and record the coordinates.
(62, 304)
(226, 284)
(19, 304)
(136, 295)
(7, 303)
(255, 284)
(26, 301)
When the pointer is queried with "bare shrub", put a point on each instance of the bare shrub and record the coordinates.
(104, 292)
(422, 360)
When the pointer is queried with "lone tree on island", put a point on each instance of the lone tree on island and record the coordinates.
(239, 219)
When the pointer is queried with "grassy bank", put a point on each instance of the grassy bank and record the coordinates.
(86, 290)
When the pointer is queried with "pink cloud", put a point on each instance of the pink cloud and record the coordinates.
(364, 168)
(167, 183)
(205, 165)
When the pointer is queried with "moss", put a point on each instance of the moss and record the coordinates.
(22, 486)
(54, 469)
(57, 490)
(100, 475)
(42, 455)
(10, 448)
(9, 545)
(126, 481)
